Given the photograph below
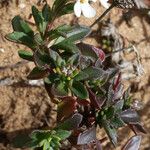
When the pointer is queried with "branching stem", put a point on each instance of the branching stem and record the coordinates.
(102, 16)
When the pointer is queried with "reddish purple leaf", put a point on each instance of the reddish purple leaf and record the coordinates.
(66, 108)
(87, 136)
(71, 123)
(100, 53)
(130, 116)
(117, 82)
(98, 145)
(95, 101)
(133, 143)
(137, 128)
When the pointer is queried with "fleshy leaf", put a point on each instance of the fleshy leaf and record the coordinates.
(37, 73)
(66, 45)
(79, 90)
(133, 143)
(117, 122)
(67, 9)
(27, 55)
(87, 51)
(63, 134)
(22, 38)
(75, 33)
(87, 136)
(111, 132)
(21, 26)
(137, 128)
(100, 53)
(66, 108)
(130, 116)
(41, 59)
(59, 89)
(71, 123)
(90, 73)
(98, 145)
(96, 101)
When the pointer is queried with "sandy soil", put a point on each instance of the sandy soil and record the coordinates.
(24, 107)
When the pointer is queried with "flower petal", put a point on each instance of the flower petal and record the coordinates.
(77, 9)
(94, 0)
(87, 10)
(105, 3)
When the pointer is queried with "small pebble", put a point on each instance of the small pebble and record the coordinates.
(22, 5)
(2, 50)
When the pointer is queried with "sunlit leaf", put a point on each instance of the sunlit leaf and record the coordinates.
(63, 134)
(22, 38)
(27, 55)
(21, 26)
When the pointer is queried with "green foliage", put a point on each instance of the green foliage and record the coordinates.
(48, 139)
(87, 93)
(27, 55)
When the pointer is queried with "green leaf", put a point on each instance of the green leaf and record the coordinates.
(117, 122)
(37, 73)
(56, 58)
(46, 145)
(74, 60)
(47, 13)
(39, 20)
(22, 38)
(38, 39)
(111, 132)
(119, 105)
(79, 90)
(40, 135)
(63, 134)
(67, 9)
(59, 31)
(90, 73)
(58, 4)
(21, 26)
(67, 46)
(41, 59)
(59, 89)
(27, 55)
(75, 33)
(21, 140)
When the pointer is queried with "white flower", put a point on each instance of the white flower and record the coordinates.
(83, 6)
(105, 3)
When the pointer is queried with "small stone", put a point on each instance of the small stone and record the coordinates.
(22, 5)
(2, 50)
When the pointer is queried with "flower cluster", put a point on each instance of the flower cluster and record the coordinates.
(84, 7)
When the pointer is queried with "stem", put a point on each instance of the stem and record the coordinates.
(119, 50)
(101, 17)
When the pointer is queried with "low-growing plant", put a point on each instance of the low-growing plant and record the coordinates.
(88, 94)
